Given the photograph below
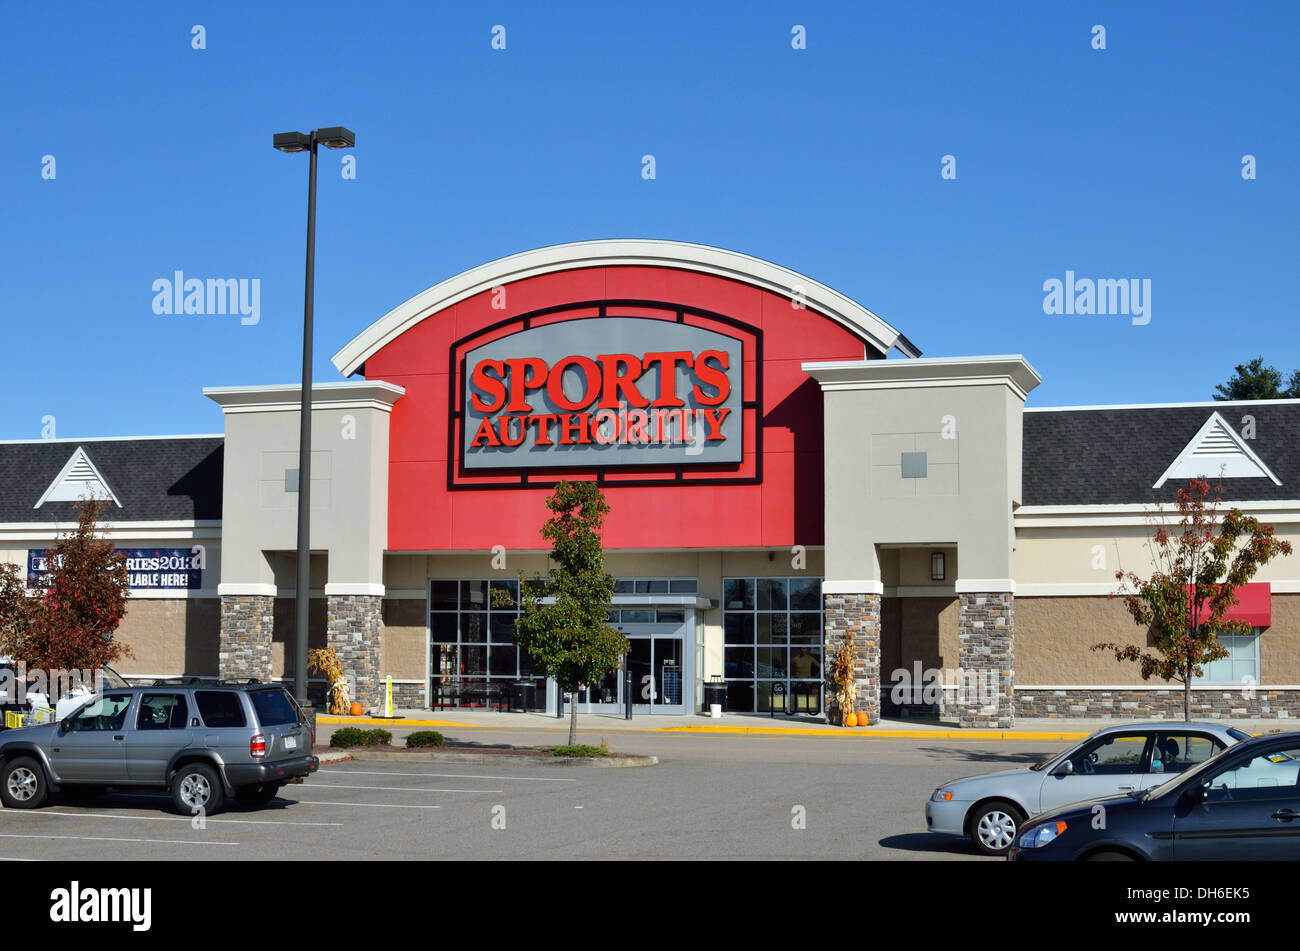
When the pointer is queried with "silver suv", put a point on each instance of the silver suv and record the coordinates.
(201, 742)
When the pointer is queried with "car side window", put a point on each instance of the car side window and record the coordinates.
(1271, 775)
(106, 713)
(220, 708)
(1113, 755)
(162, 711)
(1176, 752)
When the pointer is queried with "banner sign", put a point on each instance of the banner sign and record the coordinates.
(615, 392)
(147, 568)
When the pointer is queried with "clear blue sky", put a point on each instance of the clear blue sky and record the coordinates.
(1122, 163)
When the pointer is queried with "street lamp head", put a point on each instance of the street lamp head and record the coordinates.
(292, 141)
(336, 137)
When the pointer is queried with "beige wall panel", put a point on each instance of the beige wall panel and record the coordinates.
(171, 637)
(402, 645)
(1279, 644)
(1053, 635)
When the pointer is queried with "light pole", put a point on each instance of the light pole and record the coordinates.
(334, 137)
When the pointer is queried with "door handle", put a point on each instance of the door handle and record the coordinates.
(1286, 815)
(119, 737)
(1125, 788)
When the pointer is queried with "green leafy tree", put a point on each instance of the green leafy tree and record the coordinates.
(1255, 381)
(1185, 600)
(68, 625)
(569, 639)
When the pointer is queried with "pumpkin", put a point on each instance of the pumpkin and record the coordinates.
(862, 719)
(357, 709)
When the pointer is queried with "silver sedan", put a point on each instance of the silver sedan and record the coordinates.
(990, 809)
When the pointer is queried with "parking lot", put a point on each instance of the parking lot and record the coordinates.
(710, 797)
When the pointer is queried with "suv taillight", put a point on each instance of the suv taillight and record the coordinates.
(257, 746)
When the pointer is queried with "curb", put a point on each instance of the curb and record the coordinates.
(844, 733)
(509, 759)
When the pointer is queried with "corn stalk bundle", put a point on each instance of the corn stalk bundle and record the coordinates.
(843, 678)
(327, 662)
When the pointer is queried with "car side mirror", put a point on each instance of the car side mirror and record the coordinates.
(1197, 795)
(1065, 768)
(66, 724)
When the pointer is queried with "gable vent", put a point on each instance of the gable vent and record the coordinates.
(78, 478)
(1216, 451)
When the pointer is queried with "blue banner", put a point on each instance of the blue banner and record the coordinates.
(147, 568)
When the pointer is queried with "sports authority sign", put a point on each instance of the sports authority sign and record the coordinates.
(609, 391)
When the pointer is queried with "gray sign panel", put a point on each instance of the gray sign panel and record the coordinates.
(589, 393)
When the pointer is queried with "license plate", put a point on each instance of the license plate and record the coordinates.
(290, 742)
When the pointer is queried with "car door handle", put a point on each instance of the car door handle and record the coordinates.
(119, 737)
(1125, 788)
(1286, 815)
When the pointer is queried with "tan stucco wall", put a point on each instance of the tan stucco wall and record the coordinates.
(171, 637)
(917, 629)
(402, 647)
(1052, 636)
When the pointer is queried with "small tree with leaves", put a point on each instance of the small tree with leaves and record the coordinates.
(570, 639)
(1185, 601)
(68, 624)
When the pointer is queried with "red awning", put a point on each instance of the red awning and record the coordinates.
(1254, 604)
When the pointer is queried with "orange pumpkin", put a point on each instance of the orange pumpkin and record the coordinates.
(862, 719)
(357, 709)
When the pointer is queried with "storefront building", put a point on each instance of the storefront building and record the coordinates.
(774, 481)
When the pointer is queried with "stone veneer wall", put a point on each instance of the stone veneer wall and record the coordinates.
(1139, 704)
(987, 657)
(410, 696)
(244, 645)
(859, 613)
(352, 627)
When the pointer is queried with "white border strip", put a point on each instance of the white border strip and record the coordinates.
(853, 587)
(985, 585)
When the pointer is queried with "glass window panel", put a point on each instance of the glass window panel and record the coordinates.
(738, 594)
(1266, 776)
(1176, 752)
(503, 661)
(527, 667)
(445, 595)
(763, 698)
(805, 663)
(805, 594)
(638, 617)
(1111, 755)
(473, 595)
(806, 628)
(443, 627)
(653, 585)
(740, 696)
(473, 660)
(473, 628)
(624, 586)
(611, 617)
(443, 659)
(773, 662)
(738, 662)
(684, 585)
(738, 628)
(670, 617)
(502, 628)
(771, 594)
(509, 589)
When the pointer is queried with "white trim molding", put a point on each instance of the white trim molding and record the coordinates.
(985, 585)
(339, 588)
(1090, 589)
(621, 252)
(236, 590)
(1010, 370)
(1138, 514)
(286, 397)
(853, 587)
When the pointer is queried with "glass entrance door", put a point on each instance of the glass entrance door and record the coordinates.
(658, 674)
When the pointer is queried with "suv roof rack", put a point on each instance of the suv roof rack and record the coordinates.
(176, 681)
(240, 682)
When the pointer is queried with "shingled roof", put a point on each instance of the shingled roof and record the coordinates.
(159, 479)
(1114, 455)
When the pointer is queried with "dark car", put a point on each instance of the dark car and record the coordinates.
(1242, 805)
(201, 742)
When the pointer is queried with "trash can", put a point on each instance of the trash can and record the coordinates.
(715, 696)
(524, 696)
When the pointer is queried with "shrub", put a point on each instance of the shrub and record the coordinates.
(579, 749)
(425, 738)
(354, 736)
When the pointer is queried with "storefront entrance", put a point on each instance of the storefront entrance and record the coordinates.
(658, 662)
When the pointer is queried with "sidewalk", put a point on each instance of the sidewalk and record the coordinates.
(758, 724)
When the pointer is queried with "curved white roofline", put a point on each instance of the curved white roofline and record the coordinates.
(620, 251)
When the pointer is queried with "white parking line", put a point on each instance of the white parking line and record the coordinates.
(5, 858)
(94, 838)
(522, 779)
(403, 788)
(364, 805)
(221, 820)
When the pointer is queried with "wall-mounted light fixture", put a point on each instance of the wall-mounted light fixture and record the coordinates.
(936, 566)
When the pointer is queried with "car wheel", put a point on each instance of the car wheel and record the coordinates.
(22, 784)
(254, 796)
(197, 790)
(993, 827)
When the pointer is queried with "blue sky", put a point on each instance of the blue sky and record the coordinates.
(1116, 163)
